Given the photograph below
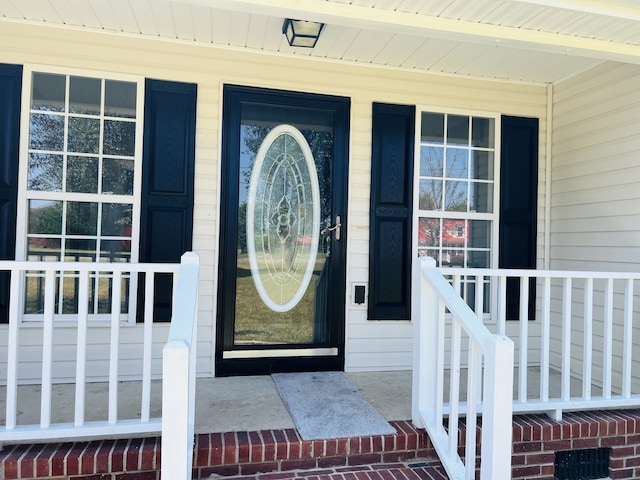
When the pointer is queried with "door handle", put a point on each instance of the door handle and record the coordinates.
(336, 227)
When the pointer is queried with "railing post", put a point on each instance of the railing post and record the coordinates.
(497, 415)
(178, 372)
(425, 343)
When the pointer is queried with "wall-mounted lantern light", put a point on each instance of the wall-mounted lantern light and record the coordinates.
(301, 33)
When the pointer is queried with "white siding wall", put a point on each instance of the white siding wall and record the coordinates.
(595, 206)
(380, 345)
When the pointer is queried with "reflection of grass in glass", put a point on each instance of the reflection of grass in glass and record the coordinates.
(257, 323)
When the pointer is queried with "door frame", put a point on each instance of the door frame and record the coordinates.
(232, 98)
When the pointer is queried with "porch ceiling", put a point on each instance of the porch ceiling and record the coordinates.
(533, 41)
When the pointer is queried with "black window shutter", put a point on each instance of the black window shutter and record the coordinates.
(391, 212)
(10, 92)
(518, 205)
(167, 180)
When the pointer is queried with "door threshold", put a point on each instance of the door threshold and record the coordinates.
(280, 353)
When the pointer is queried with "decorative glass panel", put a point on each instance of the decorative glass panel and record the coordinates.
(283, 218)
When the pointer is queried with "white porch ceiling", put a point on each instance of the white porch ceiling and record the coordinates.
(533, 41)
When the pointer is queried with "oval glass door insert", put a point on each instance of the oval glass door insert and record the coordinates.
(283, 218)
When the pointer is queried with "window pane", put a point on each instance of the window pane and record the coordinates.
(82, 218)
(431, 161)
(432, 127)
(481, 165)
(478, 259)
(45, 172)
(119, 138)
(482, 133)
(46, 132)
(82, 174)
(481, 197)
(120, 99)
(429, 232)
(458, 129)
(117, 176)
(45, 216)
(115, 250)
(84, 135)
(430, 195)
(455, 196)
(116, 219)
(453, 258)
(457, 163)
(47, 92)
(84, 95)
(43, 249)
(80, 250)
(480, 234)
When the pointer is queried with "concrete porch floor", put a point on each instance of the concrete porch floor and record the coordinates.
(249, 403)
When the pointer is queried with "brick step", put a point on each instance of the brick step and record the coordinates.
(215, 454)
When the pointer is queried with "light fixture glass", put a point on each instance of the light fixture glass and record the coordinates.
(302, 33)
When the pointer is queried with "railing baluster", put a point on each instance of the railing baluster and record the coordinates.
(148, 339)
(115, 344)
(454, 387)
(479, 307)
(567, 290)
(587, 352)
(607, 351)
(13, 340)
(81, 349)
(545, 340)
(523, 363)
(473, 398)
(502, 305)
(440, 366)
(47, 347)
(628, 339)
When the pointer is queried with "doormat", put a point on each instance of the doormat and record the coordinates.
(328, 405)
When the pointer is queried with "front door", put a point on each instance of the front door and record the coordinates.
(281, 283)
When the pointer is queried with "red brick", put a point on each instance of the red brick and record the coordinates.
(364, 459)
(306, 449)
(88, 458)
(327, 462)
(230, 448)
(148, 454)
(100, 476)
(137, 476)
(73, 459)
(117, 455)
(557, 445)
(540, 458)
(58, 460)
(217, 449)
(527, 447)
(269, 445)
(319, 448)
(262, 467)
(398, 456)
(612, 441)
(579, 443)
(282, 448)
(294, 442)
(298, 464)
(202, 450)
(132, 455)
(525, 472)
(243, 447)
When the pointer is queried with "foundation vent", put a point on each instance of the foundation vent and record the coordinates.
(585, 464)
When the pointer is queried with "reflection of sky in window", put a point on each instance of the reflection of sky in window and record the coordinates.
(455, 196)
(431, 161)
(457, 163)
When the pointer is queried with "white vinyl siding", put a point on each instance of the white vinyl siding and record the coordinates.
(595, 211)
(379, 345)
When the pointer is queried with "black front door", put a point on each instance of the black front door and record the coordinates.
(281, 284)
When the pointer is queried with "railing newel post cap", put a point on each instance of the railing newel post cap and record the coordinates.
(428, 262)
(190, 258)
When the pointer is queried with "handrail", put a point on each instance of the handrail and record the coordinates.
(179, 374)
(490, 359)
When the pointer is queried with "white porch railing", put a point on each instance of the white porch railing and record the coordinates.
(580, 343)
(179, 377)
(40, 337)
(489, 359)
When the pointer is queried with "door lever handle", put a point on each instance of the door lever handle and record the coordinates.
(336, 227)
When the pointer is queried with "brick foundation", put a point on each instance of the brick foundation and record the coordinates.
(535, 439)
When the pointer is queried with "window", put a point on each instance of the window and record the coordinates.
(457, 187)
(80, 176)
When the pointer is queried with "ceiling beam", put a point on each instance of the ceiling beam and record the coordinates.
(426, 26)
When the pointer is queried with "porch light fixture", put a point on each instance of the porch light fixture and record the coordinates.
(302, 33)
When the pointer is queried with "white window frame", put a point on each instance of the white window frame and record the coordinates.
(25, 195)
(493, 217)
